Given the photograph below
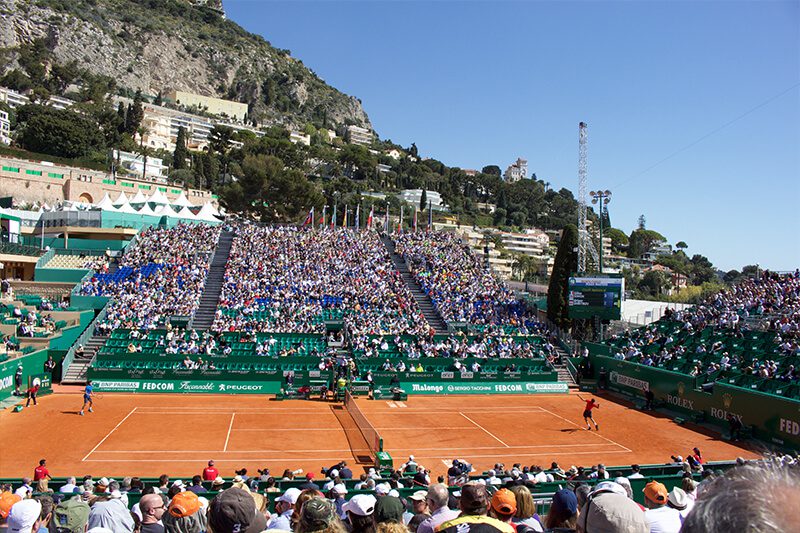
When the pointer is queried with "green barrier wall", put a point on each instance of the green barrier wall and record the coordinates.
(68, 335)
(483, 387)
(59, 275)
(773, 419)
(32, 364)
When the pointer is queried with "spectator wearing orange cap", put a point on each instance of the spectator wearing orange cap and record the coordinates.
(185, 514)
(504, 508)
(7, 500)
(659, 517)
(474, 504)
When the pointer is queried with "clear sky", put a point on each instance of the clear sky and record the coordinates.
(479, 83)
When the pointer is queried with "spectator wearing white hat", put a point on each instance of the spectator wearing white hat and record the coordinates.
(419, 506)
(284, 507)
(680, 501)
(25, 517)
(338, 492)
(410, 466)
(361, 513)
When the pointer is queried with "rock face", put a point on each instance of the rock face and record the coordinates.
(157, 45)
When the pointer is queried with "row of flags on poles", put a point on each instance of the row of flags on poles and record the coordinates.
(371, 222)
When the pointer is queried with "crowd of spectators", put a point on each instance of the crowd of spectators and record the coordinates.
(752, 496)
(161, 275)
(456, 346)
(772, 299)
(289, 279)
(461, 287)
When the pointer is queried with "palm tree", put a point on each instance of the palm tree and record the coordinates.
(144, 151)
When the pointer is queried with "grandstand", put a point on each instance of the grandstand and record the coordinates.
(438, 357)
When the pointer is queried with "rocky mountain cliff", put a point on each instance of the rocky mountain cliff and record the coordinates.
(156, 45)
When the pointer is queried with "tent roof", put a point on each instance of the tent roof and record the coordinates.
(139, 198)
(182, 201)
(165, 210)
(158, 198)
(106, 204)
(121, 199)
(208, 212)
(126, 208)
(185, 212)
(146, 210)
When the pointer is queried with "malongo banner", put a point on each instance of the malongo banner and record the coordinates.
(484, 387)
(189, 387)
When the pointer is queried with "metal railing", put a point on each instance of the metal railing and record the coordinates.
(83, 338)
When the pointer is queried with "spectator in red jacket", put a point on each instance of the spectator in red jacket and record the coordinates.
(210, 473)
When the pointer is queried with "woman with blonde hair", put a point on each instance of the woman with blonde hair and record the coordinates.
(526, 508)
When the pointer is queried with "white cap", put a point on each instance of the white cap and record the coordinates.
(394, 493)
(361, 504)
(383, 488)
(410, 457)
(339, 488)
(290, 496)
(333, 473)
(177, 483)
(23, 516)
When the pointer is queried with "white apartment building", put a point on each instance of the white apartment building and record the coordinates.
(5, 128)
(302, 138)
(162, 126)
(14, 99)
(359, 135)
(413, 196)
(516, 171)
(135, 164)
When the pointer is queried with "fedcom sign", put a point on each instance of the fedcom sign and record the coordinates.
(790, 427)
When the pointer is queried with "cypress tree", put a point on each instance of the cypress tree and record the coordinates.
(180, 153)
(566, 264)
(423, 200)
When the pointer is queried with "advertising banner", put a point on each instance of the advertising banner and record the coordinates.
(193, 387)
(484, 387)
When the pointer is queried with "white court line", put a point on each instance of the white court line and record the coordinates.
(445, 449)
(225, 449)
(321, 410)
(595, 433)
(340, 429)
(337, 458)
(485, 430)
(109, 434)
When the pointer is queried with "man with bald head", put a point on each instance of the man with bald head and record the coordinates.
(437, 505)
(152, 507)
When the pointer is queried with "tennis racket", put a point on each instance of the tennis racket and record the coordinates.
(97, 395)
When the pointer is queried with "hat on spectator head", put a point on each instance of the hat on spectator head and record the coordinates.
(361, 504)
(565, 503)
(333, 473)
(71, 516)
(339, 488)
(317, 514)
(656, 492)
(23, 516)
(610, 512)
(504, 502)
(474, 498)
(678, 499)
(7, 499)
(184, 503)
(235, 510)
(382, 489)
(290, 496)
(218, 481)
(389, 509)
(177, 483)
(419, 496)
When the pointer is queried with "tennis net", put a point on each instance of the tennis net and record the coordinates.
(370, 434)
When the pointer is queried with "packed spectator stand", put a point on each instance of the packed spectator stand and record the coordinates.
(408, 500)
(748, 336)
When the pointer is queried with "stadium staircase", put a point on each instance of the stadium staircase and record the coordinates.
(76, 373)
(423, 300)
(204, 316)
(564, 374)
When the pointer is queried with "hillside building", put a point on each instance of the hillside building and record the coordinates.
(5, 128)
(413, 196)
(516, 171)
(209, 104)
(359, 135)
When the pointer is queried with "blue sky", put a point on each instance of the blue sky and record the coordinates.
(479, 83)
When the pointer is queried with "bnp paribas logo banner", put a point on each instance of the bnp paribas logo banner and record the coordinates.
(627, 381)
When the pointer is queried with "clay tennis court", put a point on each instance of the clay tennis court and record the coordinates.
(150, 434)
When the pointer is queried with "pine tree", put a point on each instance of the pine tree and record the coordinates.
(135, 114)
(566, 263)
(180, 153)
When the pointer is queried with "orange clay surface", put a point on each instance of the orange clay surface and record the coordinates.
(149, 434)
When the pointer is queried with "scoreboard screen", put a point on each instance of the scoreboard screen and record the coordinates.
(595, 296)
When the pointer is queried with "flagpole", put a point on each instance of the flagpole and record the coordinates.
(400, 226)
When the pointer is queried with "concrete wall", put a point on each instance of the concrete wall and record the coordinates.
(33, 181)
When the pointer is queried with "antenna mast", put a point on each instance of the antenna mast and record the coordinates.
(583, 234)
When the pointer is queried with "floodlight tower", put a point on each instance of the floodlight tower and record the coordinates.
(583, 234)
